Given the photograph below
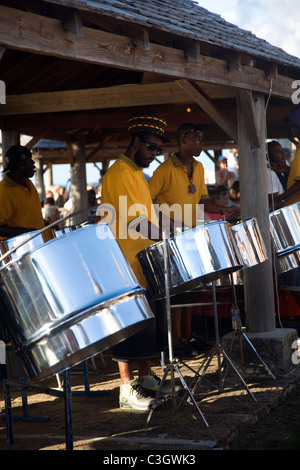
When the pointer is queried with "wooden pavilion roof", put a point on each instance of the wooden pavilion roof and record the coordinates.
(81, 67)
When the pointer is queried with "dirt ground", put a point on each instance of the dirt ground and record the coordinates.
(99, 424)
(277, 430)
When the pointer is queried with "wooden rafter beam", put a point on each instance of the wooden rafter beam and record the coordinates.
(95, 98)
(41, 35)
(206, 104)
(247, 103)
(36, 138)
(28, 123)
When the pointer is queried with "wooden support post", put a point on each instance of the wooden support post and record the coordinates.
(78, 179)
(9, 138)
(258, 280)
(48, 176)
(39, 176)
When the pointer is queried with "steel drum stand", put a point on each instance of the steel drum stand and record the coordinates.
(240, 334)
(66, 394)
(219, 349)
(172, 367)
(220, 352)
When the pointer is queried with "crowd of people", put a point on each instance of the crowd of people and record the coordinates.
(58, 203)
(226, 191)
(179, 180)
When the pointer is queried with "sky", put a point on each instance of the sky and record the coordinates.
(276, 21)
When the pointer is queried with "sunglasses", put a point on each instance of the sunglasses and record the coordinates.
(193, 130)
(153, 147)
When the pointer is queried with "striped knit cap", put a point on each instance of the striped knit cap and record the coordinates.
(153, 123)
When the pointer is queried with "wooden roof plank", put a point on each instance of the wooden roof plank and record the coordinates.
(40, 35)
(188, 19)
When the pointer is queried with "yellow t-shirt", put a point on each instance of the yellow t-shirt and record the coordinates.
(125, 188)
(20, 206)
(170, 185)
(294, 176)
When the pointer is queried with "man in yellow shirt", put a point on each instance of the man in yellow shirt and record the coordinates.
(20, 206)
(126, 191)
(127, 200)
(179, 182)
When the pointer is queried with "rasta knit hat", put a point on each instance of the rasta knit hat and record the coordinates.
(153, 123)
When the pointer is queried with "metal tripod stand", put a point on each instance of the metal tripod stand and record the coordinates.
(172, 367)
(241, 335)
(219, 351)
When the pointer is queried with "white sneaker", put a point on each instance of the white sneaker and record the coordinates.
(150, 384)
(132, 395)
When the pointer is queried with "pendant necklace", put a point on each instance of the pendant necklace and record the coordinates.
(192, 187)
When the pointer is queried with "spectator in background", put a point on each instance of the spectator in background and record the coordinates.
(274, 185)
(92, 203)
(51, 212)
(98, 191)
(220, 198)
(233, 162)
(223, 175)
(92, 200)
(288, 155)
(234, 198)
(59, 196)
(278, 162)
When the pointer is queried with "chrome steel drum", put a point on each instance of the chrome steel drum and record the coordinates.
(251, 248)
(63, 231)
(287, 261)
(285, 228)
(197, 256)
(11, 243)
(226, 282)
(249, 242)
(70, 299)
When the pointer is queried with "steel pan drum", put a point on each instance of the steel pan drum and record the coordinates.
(287, 261)
(285, 229)
(63, 231)
(226, 282)
(249, 242)
(11, 243)
(70, 299)
(196, 256)
(251, 248)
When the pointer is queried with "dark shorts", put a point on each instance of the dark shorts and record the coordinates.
(143, 345)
